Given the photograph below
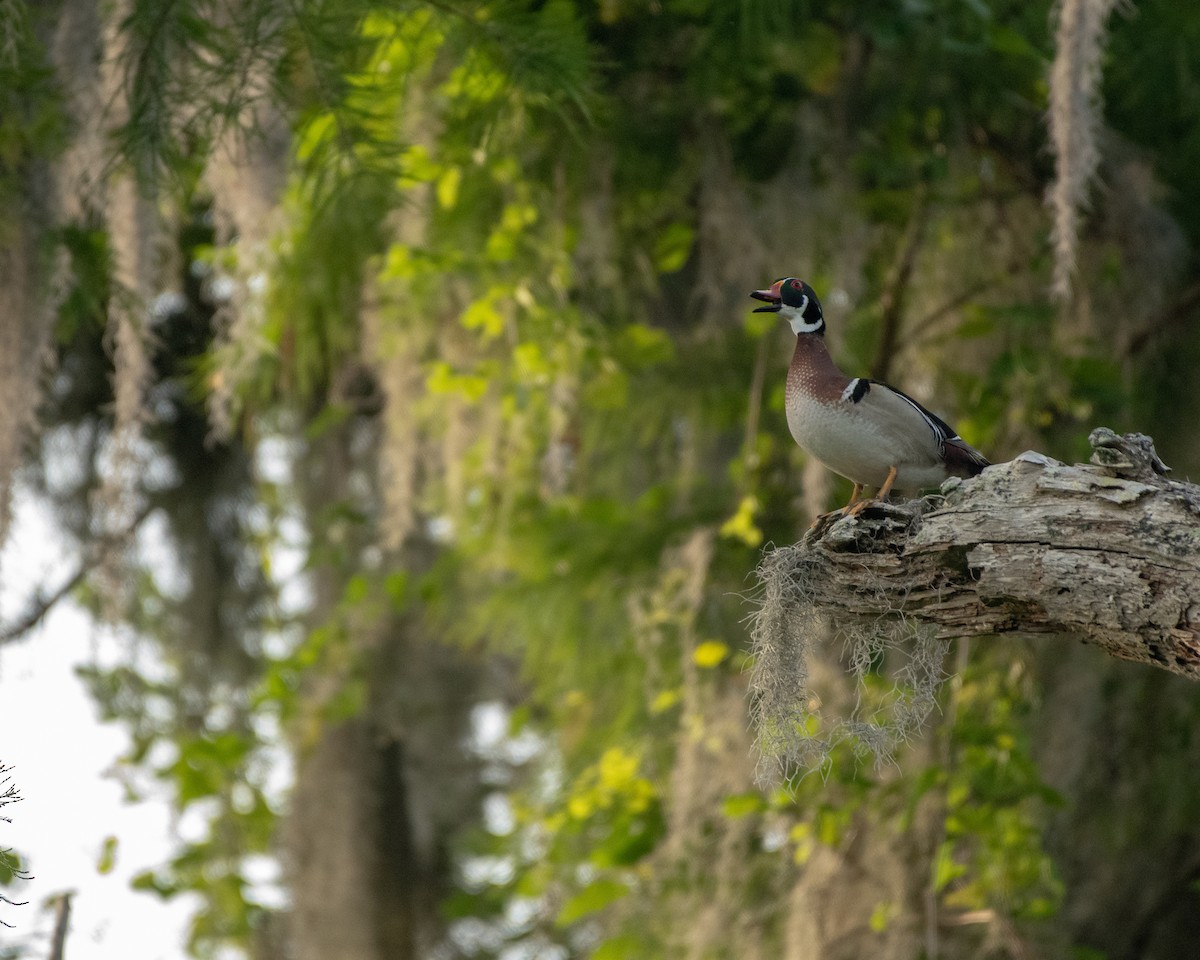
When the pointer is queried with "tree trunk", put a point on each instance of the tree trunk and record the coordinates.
(1107, 553)
(340, 862)
(381, 785)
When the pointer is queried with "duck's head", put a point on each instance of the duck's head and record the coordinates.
(796, 302)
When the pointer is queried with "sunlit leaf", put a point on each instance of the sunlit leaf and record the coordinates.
(108, 855)
(592, 898)
(673, 246)
(447, 187)
(620, 948)
(741, 525)
(710, 653)
(743, 805)
(882, 915)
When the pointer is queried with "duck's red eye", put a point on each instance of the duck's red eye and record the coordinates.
(796, 284)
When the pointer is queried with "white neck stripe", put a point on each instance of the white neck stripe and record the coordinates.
(800, 326)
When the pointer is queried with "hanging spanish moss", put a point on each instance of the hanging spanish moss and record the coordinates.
(1075, 122)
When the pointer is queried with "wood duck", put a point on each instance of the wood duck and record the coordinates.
(872, 434)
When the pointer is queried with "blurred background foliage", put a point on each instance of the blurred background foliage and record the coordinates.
(392, 368)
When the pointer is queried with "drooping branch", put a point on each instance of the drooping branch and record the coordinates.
(97, 553)
(9, 793)
(1107, 553)
(894, 297)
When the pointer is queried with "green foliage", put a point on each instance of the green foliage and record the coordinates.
(306, 309)
(11, 868)
(216, 775)
(108, 855)
(583, 848)
(996, 802)
(595, 896)
(32, 124)
(84, 307)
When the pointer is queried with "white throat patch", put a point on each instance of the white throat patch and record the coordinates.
(795, 318)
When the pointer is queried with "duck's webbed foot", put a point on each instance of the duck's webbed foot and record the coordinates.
(853, 509)
(848, 510)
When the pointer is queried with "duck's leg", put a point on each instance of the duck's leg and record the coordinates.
(862, 505)
(887, 484)
(840, 511)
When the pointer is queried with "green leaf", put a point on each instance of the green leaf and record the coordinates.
(710, 654)
(396, 587)
(644, 346)
(882, 915)
(624, 947)
(357, 589)
(530, 363)
(442, 381)
(741, 525)
(108, 855)
(150, 882)
(673, 247)
(595, 896)
(447, 187)
(946, 868)
(743, 805)
(482, 315)
(10, 866)
(418, 165)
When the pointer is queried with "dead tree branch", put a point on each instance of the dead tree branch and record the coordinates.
(1106, 553)
(62, 925)
(895, 294)
(43, 602)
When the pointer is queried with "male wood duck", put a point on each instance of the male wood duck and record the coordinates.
(869, 432)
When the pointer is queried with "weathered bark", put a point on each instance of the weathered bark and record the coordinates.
(1107, 553)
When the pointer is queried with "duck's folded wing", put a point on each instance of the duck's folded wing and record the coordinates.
(960, 457)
